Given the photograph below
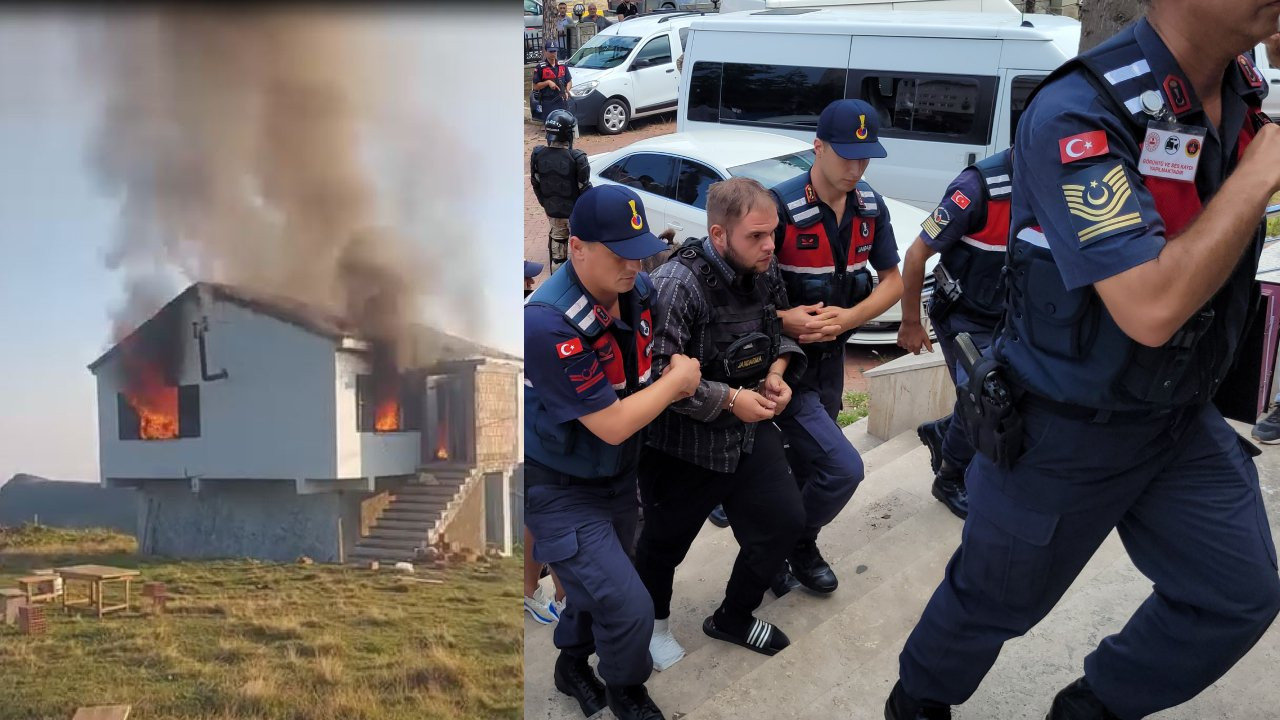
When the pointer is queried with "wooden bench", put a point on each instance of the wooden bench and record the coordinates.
(39, 588)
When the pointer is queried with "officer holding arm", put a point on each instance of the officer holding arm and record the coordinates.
(1141, 170)
(551, 83)
(970, 227)
(589, 391)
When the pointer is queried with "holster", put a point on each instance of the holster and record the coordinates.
(988, 408)
(946, 294)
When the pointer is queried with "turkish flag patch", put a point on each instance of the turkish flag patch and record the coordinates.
(960, 199)
(1084, 145)
(569, 348)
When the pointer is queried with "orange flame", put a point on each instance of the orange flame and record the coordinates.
(387, 415)
(156, 405)
(442, 442)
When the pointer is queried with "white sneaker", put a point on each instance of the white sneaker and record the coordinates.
(539, 606)
(664, 648)
(557, 607)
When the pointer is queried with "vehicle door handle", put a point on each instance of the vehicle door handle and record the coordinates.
(972, 158)
(675, 226)
(1275, 81)
(671, 70)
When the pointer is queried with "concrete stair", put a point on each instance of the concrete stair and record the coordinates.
(889, 548)
(416, 516)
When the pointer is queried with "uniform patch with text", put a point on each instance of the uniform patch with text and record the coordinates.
(1101, 202)
(933, 224)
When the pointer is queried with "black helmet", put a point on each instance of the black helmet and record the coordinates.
(560, 126)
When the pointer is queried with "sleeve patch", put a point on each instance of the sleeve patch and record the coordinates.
(585, 374)
(569, 348)
(960, 199)
(1084, 145)
(1100, 202)
(933, 224)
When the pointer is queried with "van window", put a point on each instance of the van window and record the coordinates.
(787, 95)
(946, 108)
(684, 38)
(650, 172)
(655, 52)
(704, 92)
(1019, 91)
(603, 51)
(695, 179)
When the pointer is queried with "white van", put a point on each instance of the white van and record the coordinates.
(1005, 6)
(949, 87)
(1270, 69)
(628, 70)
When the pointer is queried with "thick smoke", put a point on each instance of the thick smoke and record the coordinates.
(238, 146)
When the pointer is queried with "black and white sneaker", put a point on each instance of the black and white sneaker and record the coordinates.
(763, 637)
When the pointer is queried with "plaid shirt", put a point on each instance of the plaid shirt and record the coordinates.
(680, 314)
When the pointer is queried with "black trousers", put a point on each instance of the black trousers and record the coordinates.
(761, 497)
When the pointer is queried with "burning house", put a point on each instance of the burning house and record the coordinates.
(259, 426)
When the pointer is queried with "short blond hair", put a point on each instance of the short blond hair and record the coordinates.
(728, 201)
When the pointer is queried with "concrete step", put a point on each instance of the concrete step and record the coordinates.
(433, 503)
(429, 492)
(871, 541)
(413, 511)
(382, 555)
(422, 524)
(393, 534)
(415, 490)
(879, 505)
(400, 544)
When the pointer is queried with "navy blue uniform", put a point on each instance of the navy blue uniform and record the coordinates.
(970, 229)
(1116, 435)
(580, 499)
(827, 466)
(550, 98)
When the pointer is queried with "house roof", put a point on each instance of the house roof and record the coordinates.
(312, 319)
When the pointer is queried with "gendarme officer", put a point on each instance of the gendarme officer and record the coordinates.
(589, 390)
(970, 228)
(1141, 170)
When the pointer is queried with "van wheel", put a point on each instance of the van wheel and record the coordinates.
(614, 116)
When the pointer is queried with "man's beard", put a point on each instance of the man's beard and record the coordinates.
(744, 272)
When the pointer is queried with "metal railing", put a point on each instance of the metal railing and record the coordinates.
(533, 45)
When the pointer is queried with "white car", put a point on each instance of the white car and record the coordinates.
(628, 70)
(672, 174)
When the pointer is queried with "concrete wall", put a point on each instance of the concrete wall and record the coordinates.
(468, 526)
(498, 429)
(366, 454)
(245, 518)
(272, 417)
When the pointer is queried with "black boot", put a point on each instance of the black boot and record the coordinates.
(810, 569)
(718, 518)
(575, 678)
(901, 706)
(784, 582)
(948, 487)
(1077, 702)
(931, 434)
(632, 703)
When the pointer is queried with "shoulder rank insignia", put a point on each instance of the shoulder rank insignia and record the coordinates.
(1100, 202)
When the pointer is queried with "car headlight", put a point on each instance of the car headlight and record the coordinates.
(583, 89)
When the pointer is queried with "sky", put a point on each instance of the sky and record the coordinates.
(57, 222)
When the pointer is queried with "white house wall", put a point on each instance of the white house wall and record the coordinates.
(272, 417)
(367, 454)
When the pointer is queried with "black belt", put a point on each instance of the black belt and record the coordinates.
(1093, 415)
(551, 476)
